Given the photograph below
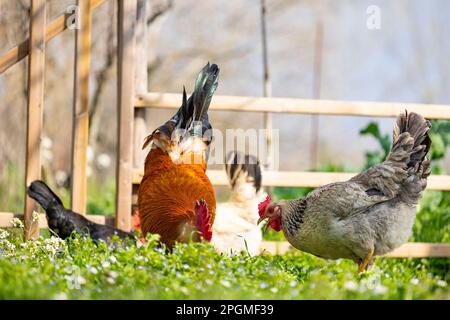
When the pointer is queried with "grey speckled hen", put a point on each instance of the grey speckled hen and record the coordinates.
(370, 214)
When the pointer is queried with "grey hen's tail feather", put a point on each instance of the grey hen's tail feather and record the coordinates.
(405, 171)
(411, 143)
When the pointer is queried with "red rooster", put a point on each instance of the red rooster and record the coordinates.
(176, 199)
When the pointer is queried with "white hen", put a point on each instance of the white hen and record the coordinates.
(235, 227)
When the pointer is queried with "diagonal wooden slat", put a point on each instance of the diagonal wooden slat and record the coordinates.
(55, 27)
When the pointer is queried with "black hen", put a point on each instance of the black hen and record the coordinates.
(63, 221)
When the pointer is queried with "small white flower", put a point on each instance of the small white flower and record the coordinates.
(380, 289)
(4, 234)
(106, 264)
(351, 286)
(184, 290)
(209, 282)
(263, 285)
(274, 290)
(61, 296)
(113, 259)
(414, 281)
(35, 217)
(93, 270)
(16, 223)
(104, 160)
(7, 246)
(225, 283)
(293, 283)
(80, 280)
(113, 274)
(61, 177)
(46, 142)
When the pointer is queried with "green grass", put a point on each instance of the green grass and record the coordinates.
(80, 269)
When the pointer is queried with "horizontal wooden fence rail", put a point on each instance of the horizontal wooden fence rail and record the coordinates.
(302, 106)
(408, 250)
(6, 217)
(55, 27)
(303, 179)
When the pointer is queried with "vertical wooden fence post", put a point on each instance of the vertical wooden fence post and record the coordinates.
(141, 85)
(126, 96)
(267, 88)
(80, 133)
(317, 83)
(36, 77)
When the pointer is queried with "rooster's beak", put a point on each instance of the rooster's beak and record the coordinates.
(261, 219)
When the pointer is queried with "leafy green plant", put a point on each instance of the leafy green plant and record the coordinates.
(432, 222)
(440, 137)
(12, 193)
(377, 156)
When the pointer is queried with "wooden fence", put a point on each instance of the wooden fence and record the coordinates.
(131, 21)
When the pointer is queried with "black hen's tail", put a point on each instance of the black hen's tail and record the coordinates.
(64, 222)
(241, 168)
(48, 200)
